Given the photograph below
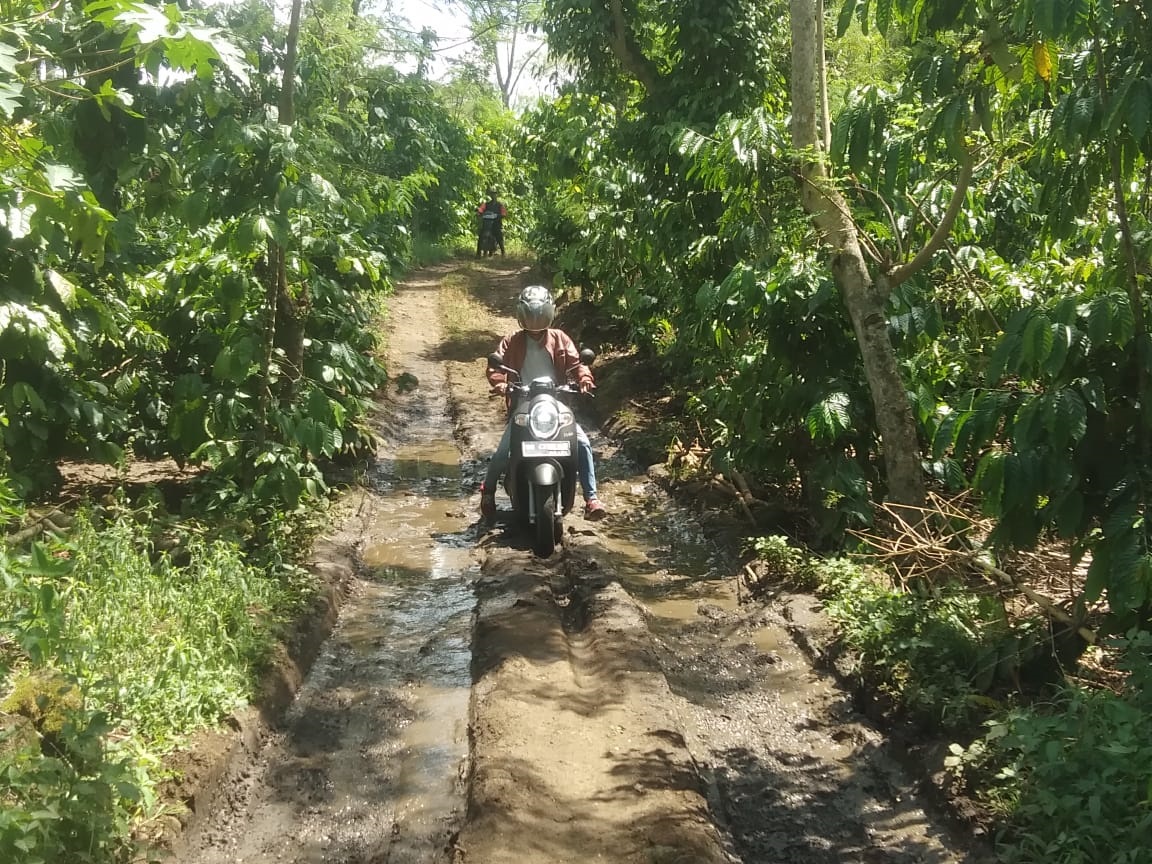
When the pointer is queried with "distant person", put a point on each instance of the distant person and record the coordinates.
(491, 211)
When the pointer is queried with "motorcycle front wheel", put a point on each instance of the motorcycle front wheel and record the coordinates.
(545, 528)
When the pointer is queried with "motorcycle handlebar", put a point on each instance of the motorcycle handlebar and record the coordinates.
(524, 388)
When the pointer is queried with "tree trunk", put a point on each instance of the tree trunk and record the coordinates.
(865, 300)
(822, 72)
(291, 304)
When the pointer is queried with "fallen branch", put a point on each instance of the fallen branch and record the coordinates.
(922, 547)
(730, 487)
(40, 524)
(1049, 606)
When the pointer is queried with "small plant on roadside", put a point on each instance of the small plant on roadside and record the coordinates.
(167, 648)
(934, 655)
(109, 653)
(783, 561)
(68, 796)
(1072, 778)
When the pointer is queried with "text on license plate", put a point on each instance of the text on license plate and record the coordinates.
(547, 448)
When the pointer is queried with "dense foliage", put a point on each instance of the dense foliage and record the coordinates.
(150, 189)
(201, 212)
(1020, 344)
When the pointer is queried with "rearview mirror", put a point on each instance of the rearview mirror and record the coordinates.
(495, 361)
(587, 356)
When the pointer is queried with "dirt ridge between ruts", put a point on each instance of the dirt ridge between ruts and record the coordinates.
(577, 753)
(207, 767)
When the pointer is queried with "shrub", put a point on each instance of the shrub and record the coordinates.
(1072, 779)
(110, 653)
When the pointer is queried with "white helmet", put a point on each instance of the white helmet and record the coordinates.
(535, 309)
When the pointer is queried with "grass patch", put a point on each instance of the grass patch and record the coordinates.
(426, 252)
(109, 654)
(457, 308)
(1071, 779)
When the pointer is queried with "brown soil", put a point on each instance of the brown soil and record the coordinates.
(576, 754)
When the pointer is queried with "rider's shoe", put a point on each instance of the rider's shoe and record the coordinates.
(487, 505)
(593, 510)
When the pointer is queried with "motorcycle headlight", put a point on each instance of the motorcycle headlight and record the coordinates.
(544, 420)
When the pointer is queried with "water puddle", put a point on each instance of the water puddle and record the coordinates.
(371, 763)
(664, 557)
(421, 568)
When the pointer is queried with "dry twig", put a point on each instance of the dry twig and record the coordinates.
(940, 537)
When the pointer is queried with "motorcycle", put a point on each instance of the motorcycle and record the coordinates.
(542, 459)
(489, 234)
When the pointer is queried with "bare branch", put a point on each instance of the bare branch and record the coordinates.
(940, 235)
(524, 65)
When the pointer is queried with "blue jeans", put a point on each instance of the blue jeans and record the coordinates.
(585, 469)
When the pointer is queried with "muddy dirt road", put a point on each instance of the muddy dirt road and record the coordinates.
(613, 704)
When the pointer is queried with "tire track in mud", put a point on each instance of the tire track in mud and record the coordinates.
(797, 773)
(575, 755)
(369, 764)
(612, 704)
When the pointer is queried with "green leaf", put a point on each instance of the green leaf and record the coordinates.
(1027, 429)
(60, 178)
(1037, 342)
(1071, 418)
(11, 93)
(1098, 572)
(1099, 319)
(989, 481)
(845, 19)
(883, 16)
(1123, 322)
(1128, 575)
(43, 563)
(1070, 515)
(944, 13)
(25, 394)
(828, 419)
(1094, 393)
(1063, 337)
(64, 287)
(860, 141)
(9, 58)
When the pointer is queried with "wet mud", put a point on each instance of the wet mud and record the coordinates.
(616, 703)
(790, 770)
(797, 774)
(370, 761)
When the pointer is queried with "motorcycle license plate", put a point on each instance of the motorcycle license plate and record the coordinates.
(546, 448)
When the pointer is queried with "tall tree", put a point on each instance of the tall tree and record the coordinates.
(504, 32)
(864, 299)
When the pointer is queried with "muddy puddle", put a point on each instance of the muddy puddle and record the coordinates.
(794, 773)
(371, 760)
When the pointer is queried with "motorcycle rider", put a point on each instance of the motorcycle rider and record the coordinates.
(537, 351)
(492, 209)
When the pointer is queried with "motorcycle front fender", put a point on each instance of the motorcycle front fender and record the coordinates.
(545, 474)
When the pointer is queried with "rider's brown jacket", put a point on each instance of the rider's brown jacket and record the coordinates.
(558, 344)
